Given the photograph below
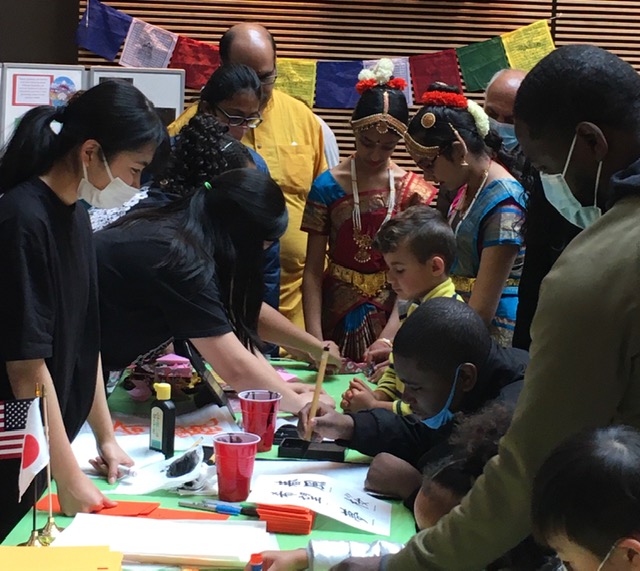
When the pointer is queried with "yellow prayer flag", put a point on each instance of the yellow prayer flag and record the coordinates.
(526, 46)
(297, 77)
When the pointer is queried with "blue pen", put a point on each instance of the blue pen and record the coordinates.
(230, 509)
(220, 508)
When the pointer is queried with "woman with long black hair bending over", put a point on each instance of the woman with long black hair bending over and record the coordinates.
(193, 270)
(49, 326)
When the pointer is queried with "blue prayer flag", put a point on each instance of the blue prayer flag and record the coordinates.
(102, 29)
(336, 84)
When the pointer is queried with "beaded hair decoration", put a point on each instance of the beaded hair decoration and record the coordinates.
(380, 75)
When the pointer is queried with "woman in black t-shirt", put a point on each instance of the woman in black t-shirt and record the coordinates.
(49, 323)
(193, 270)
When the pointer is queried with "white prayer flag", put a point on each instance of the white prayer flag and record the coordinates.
(147, 45)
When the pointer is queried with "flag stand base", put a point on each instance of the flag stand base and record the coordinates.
(33, 541)
(50, 532)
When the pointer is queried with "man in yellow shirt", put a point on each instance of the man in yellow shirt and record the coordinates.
(290, 141)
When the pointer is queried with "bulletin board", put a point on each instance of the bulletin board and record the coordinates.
(163, 87)
(24, 86)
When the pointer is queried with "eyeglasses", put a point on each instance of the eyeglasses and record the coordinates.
(426, 163)
(239, 120)
(268, 79)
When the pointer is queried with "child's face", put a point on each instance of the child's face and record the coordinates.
(424, 391)
(577, 558)
(410, 278)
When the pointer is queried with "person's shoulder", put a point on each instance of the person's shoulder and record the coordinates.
(326, 178)
(26, 205)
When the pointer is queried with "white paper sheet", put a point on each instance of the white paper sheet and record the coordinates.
(132, 433)
(327, 496)
(153, 477)
(171, 542)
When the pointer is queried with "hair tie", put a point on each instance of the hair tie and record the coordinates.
(60, 114)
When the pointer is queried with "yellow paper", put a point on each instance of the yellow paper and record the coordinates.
(526, 46)
(297, 77)
(60, 558)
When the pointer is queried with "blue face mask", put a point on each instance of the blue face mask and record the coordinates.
(507, 133)
(445, 415)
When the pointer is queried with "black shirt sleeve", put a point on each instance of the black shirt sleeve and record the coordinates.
(192, 315)
(378, 430)
(27, 315)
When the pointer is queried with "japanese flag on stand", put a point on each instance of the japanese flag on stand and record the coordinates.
(22, 436)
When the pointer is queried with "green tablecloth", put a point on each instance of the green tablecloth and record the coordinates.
(402, 525)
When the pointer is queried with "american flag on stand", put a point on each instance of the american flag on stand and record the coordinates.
(22, 436)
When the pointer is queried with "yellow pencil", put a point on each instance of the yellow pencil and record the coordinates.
(316, 394)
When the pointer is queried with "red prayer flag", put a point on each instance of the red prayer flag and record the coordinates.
(429, 68)
(198, 59)
(22, 436)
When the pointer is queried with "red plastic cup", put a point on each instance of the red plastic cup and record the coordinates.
(235, 455)
(259, 414)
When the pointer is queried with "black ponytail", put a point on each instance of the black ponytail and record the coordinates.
(32, 150)
(221, 229)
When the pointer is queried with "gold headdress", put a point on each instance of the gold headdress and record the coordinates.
(382, 121)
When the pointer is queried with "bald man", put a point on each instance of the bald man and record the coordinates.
(500, 94)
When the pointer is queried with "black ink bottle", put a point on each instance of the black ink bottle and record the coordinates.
(163, 421)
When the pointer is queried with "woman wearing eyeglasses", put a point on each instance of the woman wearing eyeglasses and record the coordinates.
(233, 96)
(448, 139)
(351, 302)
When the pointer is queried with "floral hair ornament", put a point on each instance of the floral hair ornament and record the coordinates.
(380, 75)
(457, 101)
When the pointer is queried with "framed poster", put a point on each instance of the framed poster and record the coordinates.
(164, 87)
(27, 85)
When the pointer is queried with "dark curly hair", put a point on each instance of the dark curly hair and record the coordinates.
(474, 441)
(203, 151)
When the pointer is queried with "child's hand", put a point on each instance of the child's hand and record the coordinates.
(294, 560)
(378, 372)
(391, 476)
(362, 399)
(327, 424)
(345, 403)
(378, 351)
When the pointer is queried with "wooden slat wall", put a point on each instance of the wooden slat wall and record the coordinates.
(356, 29)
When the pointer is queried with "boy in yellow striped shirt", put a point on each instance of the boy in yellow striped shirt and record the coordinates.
(419, 248)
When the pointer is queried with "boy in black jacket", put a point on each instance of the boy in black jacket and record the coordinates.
(448, 363)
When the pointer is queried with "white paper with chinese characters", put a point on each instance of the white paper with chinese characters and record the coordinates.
(326, 496)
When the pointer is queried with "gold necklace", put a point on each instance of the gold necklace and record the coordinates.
(363, 240)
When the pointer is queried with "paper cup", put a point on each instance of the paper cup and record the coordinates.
(235, 455)
(259, 414)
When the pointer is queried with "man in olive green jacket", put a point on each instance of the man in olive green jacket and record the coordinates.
(577, 113)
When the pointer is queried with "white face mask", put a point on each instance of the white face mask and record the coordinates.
(507, 133)
(562, 199)
(115, 194)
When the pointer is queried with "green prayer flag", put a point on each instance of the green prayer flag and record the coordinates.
(480, 61)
